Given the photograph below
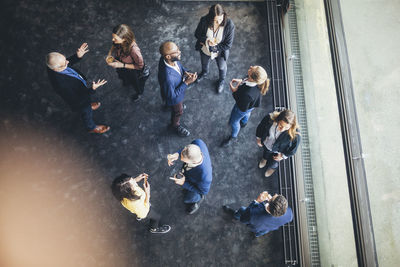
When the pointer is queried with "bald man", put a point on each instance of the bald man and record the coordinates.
(196, 173)
(174, 79)
(73, 88)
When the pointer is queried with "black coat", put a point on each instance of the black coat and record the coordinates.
(71, 89)
(247, 97)
(283, 144)
(227, 37)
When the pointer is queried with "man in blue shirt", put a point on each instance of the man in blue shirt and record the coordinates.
(266, 213)
(196, 174)
(73, 88)
(174, 79)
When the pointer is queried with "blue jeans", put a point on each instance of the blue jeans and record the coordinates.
(191, 197)
(238, 116)
(87, 116)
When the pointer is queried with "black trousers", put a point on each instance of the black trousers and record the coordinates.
(131, 78)
(154, 218)
(268, 155)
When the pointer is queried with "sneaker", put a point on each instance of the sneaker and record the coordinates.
(262, 163)
(228, 210)
(182, 131)
(161, 230)
(195, 206)
(135, 97)
(201, 76)
(269, 172)
(220, 86)
(226, 142)
(242, 125)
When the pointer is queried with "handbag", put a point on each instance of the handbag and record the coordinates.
(144, 72)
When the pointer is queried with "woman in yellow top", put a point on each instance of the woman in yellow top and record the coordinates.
(137, 200)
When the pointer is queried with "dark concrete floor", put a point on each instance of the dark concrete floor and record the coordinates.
(57, 206)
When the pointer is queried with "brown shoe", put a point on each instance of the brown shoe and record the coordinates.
(269, 172)
(100, 129)
(95, 105)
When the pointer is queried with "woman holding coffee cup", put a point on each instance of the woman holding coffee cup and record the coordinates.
(247, 94)
(214, 34)
(126, 58)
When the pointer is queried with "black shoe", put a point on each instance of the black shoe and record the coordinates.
(135, 97)
(182, 131)
(161, 230)
(242, 125)
(195, 206)
(201, 76)
(228, 210)
(220, 86)
(228, 141)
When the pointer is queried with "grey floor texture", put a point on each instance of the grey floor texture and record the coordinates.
(56, 204)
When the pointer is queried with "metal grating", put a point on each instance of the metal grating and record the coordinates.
(305, 148)
(287, 185)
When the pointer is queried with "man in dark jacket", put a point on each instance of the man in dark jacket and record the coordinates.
(174, 79)
(263, 217)
(196, 173)
(73, 87)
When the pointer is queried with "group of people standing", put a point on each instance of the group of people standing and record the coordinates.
(277, 133)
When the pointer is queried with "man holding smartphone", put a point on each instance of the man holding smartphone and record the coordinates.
(174, 80)
(266, 213)
(196, 174)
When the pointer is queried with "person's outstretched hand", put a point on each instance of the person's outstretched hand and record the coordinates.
(82, 50)
(97, 84)
(171, 158)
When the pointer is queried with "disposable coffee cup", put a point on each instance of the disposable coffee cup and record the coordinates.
(109, 59)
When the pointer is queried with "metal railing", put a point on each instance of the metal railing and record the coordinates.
(287, 185)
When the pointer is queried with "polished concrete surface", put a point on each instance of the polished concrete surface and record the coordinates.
(372, 39)
(332, 202)
(56, 205)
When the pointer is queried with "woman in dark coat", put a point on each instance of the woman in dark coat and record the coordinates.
(126, 57)
(214, 34)
(278, 134)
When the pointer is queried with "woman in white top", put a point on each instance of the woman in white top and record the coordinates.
(214, 33)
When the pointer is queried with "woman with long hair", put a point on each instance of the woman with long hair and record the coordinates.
(247, 94)
(278, 134)
(126, 58)
(137, 201)
(214, 34)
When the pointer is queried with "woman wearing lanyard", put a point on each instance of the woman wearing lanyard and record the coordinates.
(137, 201)
(278, 134)
(126, 57)
(247, 94)
(214, 34)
